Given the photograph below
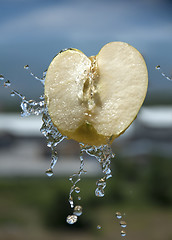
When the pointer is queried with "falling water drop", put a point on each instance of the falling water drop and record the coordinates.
(123, 233)
(71, 219)
(162, 73)
(158, 67)
(1, 77)
(77, 210)
(99, 227)
(123, 224)
(118, 215)
(7, 83)
(70, 178)
(44, 73)
(26, 67)
(12, 94)
(71, 202)
(49, 172)
(77, 189)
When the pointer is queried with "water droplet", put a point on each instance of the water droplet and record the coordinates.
(12, 94)
(31, 101)
(118, 215)
(123, 233)
(49, 144)
(99, 192)
(71, 202)
(79, 198)
(26, 67)
(76, 177)
(77, 189)
(158, 67)
(7, 83)
(1, 77)
(44, 73)
(41, 104)
(77, 210)
(70, 178)
(42, 97)
(99, 227)
(101, 183)
(71, 219)
(49, 172)
(123, 224)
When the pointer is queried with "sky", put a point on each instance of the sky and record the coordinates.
(34, 31)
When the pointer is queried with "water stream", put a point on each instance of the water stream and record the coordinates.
(102, 153)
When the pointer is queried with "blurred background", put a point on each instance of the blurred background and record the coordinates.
(33, 206)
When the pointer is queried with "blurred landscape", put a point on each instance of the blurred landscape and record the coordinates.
(33, 206)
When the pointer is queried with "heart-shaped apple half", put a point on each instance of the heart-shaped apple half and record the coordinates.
(94, 99)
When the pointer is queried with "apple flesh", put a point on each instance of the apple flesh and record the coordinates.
(94, 100)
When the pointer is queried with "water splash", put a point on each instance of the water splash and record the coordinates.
(53, 136)
(76, 177)
(158, 67)
(42, 80)
(102, 153)
(32, 107)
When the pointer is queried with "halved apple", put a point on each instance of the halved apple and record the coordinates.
(93, 100)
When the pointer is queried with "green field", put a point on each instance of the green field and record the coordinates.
(34, 209)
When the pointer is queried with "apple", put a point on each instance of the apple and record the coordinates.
(95, 99)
